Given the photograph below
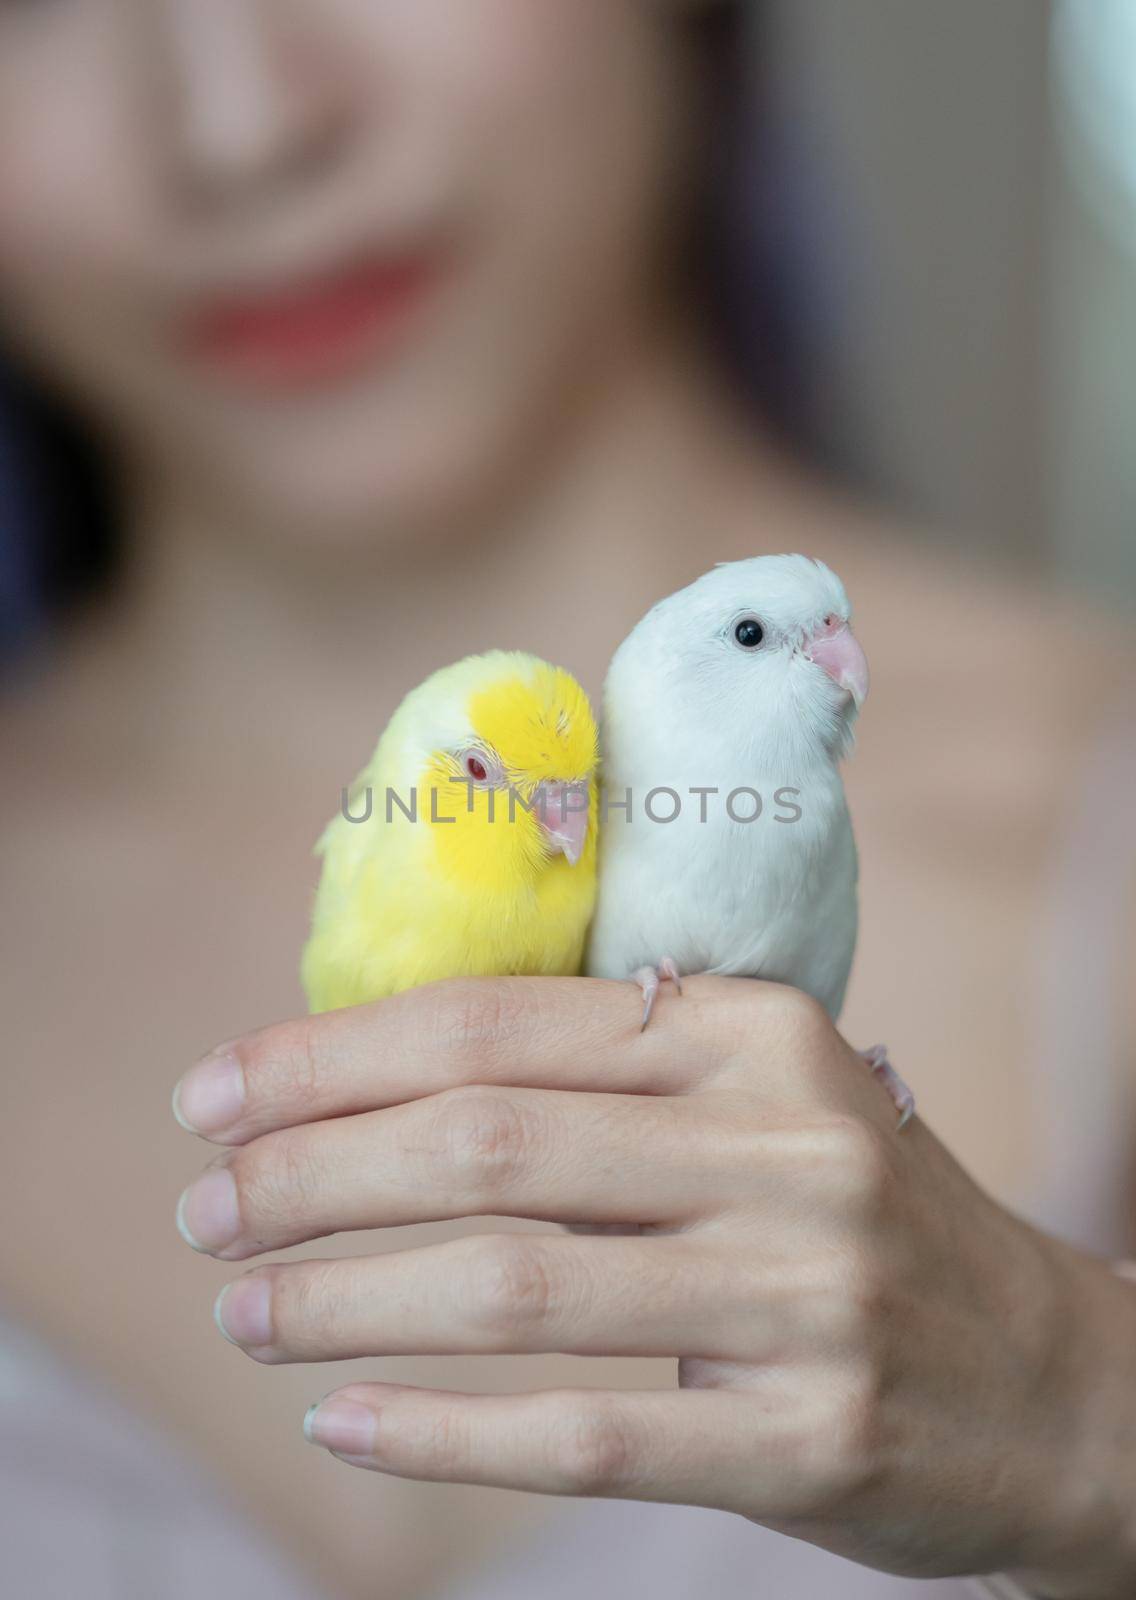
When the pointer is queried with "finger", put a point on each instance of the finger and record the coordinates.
(574, 1033)
(473, 1151)
(520, 1293)
(693, 1447)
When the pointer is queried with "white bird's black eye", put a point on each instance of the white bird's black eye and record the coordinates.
(749, 633)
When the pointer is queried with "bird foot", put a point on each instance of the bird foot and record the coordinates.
(877, 1061)
(649, 979)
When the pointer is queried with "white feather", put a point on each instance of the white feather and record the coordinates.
(686, 708)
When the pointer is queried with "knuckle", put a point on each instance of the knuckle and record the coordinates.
(838, 1453)
(797, 1027)
(802, 1017)
(483, 1137)
(308, 1304)
(442, 1441)
(860, 1162)
(854, 1305)
(435, 1441)
(477, 1020)
(591, 1449)
(508, 1288)
(849, 1442)
(284, 1064)
(278, 1178)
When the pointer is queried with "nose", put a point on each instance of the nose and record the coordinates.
(260, 89)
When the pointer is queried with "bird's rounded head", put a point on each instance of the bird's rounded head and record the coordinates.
(504, 749)
(759, 654)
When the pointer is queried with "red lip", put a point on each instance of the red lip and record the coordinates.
(314, 332)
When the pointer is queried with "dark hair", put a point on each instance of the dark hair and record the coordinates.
(60, 539)
(753, 222)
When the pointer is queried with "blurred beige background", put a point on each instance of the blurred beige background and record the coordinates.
(966, 143)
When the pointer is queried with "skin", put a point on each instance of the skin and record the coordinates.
(823, 1282)
(297, 564)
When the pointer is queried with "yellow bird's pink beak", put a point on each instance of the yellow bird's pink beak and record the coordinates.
(835, 649)
(564, 818)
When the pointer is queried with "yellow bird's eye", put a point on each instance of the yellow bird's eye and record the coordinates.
(481, 768)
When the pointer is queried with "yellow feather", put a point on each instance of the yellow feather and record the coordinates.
(466, 885)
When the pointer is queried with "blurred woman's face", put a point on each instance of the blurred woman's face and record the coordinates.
(332, 262)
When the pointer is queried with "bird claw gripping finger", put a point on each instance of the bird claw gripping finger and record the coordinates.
(879, 1065)
(649, 980)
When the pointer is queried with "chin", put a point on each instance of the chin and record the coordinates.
(345, 517)
(356, 483)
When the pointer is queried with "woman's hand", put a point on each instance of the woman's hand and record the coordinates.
(872, 1355)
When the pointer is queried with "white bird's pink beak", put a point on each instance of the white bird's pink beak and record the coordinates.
(564, 819)
(836, 649)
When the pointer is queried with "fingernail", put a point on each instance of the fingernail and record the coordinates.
(210, 1096)
(341, 1425)
(243, 1312)
(208, 1217)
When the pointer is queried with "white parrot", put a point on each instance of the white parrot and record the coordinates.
(736, 696)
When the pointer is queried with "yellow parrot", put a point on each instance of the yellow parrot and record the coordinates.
(473, 845)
